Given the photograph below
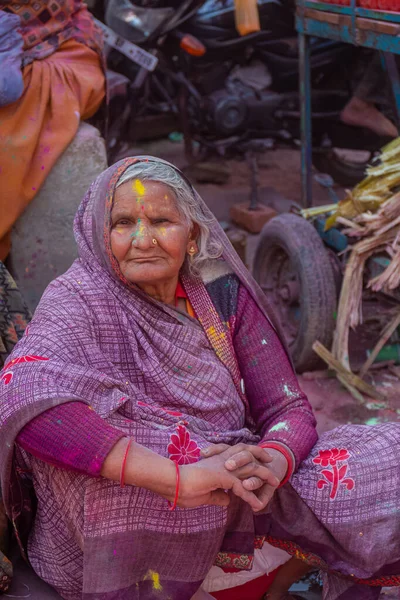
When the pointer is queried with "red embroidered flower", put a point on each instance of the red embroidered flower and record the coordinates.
(182, 449)
(335, 475)
(23, 359)
(6, 378)
(331, 457)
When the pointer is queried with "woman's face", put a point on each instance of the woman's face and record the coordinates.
(149, 238)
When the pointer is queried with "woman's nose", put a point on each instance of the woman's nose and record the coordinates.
(141, 237)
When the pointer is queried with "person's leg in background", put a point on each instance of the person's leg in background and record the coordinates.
(361, 110)
(60, 90)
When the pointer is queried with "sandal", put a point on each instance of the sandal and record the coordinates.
(6, 572)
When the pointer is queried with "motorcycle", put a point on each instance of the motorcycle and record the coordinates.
(226, 93)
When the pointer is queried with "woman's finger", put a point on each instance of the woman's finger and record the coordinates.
(213, 450)
(253, 483)
(247, 496)
(240, 457)
(265, 495)
(257, 470)
(239, 460)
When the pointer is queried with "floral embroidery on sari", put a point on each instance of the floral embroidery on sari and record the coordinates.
(336, 474)
(6, 378)
(182, 449)
(23, 359)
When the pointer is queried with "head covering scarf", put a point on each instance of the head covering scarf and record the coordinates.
(97, 338)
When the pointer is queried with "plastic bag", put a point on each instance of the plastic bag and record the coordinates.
(11, 48)
(246, 16)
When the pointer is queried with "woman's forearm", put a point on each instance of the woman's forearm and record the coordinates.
(143, 468)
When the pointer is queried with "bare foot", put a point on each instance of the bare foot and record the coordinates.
(359, 113)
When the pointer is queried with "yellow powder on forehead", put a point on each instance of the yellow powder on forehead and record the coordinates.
(138, 187)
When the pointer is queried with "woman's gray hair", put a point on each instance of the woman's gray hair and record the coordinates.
(187, 204)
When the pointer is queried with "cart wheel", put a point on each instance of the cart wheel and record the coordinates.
(295, 272)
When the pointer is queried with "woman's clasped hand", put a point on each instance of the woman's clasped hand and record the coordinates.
(242, 469)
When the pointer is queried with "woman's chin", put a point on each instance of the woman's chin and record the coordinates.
(148, 273)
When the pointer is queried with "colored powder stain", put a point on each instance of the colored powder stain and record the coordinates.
(288, 391)
(376, 405)
(264, 342)
(373, 421)
(253, 362)
(139, 187)
(215, 337)
(155, 578)
(59, 421)
(280, 427)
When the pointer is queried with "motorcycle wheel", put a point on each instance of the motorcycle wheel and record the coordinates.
(295, 272)
(346, 167)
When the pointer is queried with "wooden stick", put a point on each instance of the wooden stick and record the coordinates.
(350, 378)
(395, 370)
(386, 334)
(353, 391)
(348, 223)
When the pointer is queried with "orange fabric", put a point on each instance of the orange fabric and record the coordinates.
(180, 293)
(60, 90)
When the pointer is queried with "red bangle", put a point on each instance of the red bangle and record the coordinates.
(178, 480)
(122, 476)
(288, 457)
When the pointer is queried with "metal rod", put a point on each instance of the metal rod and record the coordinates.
(306, 131)
(390, 66)
(252, 162)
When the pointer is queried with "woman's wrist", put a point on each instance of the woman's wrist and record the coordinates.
(279, 464)
(281, 451)
(143, 468)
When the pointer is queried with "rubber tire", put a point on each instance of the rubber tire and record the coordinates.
(301, 242)
(342, 173)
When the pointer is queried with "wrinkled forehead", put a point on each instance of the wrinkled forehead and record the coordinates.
(136, 193)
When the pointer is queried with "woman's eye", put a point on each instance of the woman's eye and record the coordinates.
(160, 221)
(121, 222)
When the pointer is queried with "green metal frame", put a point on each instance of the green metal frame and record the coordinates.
(388, 45)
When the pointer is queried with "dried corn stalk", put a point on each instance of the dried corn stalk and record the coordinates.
(371, 213)
(379, 185)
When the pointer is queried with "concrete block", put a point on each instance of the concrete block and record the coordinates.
(252, 220)
(43, 245)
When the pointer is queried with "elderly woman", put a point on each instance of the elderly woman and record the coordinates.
(153, 414)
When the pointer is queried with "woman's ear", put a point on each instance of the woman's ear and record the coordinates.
(194, 233)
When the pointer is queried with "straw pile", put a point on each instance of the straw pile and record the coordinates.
(382, 179)
(371, 214)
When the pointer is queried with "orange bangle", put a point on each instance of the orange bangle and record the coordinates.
(178, 480)
(283, 450)
(122, 476)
